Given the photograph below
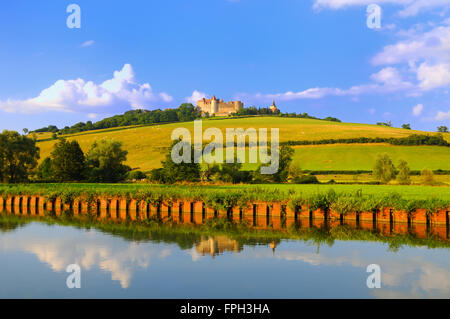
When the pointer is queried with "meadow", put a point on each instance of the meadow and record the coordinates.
(147, 145)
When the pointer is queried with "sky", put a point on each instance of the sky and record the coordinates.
(315, 56)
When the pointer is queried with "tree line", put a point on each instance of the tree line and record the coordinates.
(413, 139)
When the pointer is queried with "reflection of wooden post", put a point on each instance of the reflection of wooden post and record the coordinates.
(9, 204)
(41, 202)
(164, 210)
(153, 210)
(123, 209)
(222, 213)
(290, 213)
(176, 211)
(261, 208)
(319, 214)
(198, 218)
(186, 207)
(49, 205)
(261, 221)
(383, 215)
(33, 205)
(16, 208)
(84, 207)
(198, 207)
(76, 207)
(58, 206)
(420, 216)
(143, 210)
(24, 205)
(440, 217)
(236, 214)
(210, 213)
(275, 210)
(2, 204)
(132, 209)
(113, 208)
(248, 214)
(103, 208)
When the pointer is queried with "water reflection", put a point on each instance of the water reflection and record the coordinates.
(323, 251)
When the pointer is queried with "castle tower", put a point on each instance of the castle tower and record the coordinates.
(214, 105)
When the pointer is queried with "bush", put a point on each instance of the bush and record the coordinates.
(427, 177)
(136, 175)
(306, 179)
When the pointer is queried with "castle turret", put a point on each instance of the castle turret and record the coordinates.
(214, 105)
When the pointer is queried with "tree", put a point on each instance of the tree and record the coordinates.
(285, 158)
(172, 172)
(406, 126)
(67, 161)
(25, 131)
(427, 176)
(403, 177)
(105, 162)
(442, 129)
(384, 169)
(18, 157)
(136, 175)
(45, 172)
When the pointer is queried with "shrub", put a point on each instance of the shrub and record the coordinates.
(384, 169)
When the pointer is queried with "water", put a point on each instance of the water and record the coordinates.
(34, 257)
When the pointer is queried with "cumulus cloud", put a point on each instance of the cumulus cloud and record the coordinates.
(417, 110)
(425, 52)
(409, 7)
(121, 91)
(196, 95)
(443, 116)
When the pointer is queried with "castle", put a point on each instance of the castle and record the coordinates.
(219, 107)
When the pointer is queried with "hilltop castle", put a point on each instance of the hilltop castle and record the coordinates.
(219, 107)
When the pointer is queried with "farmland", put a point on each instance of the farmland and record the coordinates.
(147, 145)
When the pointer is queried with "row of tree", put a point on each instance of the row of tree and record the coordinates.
(103, 163)
(385, 171)
(185, 112)
(171, 172)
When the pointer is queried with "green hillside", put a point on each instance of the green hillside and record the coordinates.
(147, 145)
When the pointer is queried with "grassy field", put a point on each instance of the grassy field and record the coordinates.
(147, 144)
(277, 190)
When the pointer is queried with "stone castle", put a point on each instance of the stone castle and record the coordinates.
(219, 107)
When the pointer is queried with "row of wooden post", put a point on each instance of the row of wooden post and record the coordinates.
(122, 208)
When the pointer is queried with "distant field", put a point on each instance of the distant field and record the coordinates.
(147, 144)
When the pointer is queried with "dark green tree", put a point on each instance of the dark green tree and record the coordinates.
(45, 172)
(406, 126)
(177, 172)
(18, 157)
(442, 129)
(67, 161)
(105, 162)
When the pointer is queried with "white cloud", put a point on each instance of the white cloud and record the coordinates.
(410, 7)
(417, 110)
(387, 81)
(433, 76)
(443, 116)
(196, 95)
(433, 45)
(88, 43)
(122, 91)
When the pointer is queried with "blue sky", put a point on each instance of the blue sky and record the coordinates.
(314, 56)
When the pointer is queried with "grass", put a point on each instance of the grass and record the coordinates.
(147, 145)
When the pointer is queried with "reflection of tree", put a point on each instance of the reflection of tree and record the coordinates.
(10, 225)
(189, 236)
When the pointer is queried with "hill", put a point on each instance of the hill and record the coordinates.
(147, 145)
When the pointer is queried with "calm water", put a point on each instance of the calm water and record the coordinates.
(34, 257)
